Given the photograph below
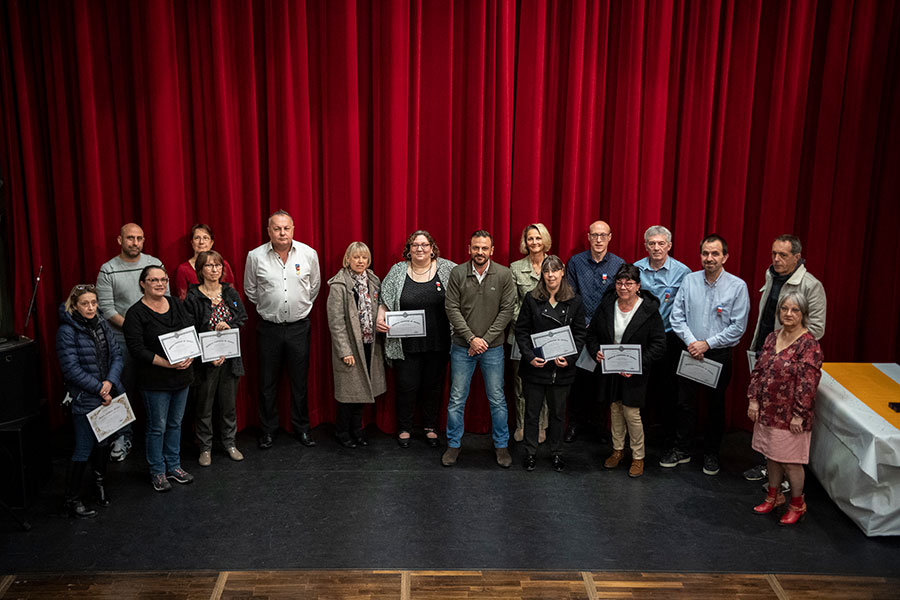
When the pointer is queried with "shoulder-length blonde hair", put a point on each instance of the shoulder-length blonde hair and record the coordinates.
(542, 231)
(357, 248)
(77, 292)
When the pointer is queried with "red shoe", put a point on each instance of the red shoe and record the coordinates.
(769, 504)
(793, 514)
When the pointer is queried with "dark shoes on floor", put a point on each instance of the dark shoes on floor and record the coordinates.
(345, 441)
(673, 458)
(503, 457)
(711, 464)
(450, 456)
(433, 442)
(757, 473)
(530, 462)
(559, 465)
(571, 434)
(404, 442)
(305, 438)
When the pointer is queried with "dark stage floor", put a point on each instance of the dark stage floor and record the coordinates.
(384, 507)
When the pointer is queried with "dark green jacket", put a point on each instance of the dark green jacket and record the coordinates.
(481, 310)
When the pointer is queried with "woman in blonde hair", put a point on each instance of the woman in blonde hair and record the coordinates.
(91, 363)
(357, 358)
(526, 273)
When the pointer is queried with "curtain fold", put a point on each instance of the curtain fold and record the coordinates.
(367, 120)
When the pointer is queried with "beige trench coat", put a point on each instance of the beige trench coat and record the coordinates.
(353, 385)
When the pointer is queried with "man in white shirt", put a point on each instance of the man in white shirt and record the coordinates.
(282, 280)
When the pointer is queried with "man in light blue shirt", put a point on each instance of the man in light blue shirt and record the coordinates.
(709, 316)
(661, 275)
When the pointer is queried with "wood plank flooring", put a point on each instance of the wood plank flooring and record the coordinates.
(443, 585)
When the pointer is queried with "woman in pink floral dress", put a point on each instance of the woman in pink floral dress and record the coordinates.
(782, 396)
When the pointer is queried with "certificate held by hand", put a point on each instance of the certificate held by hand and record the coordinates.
(217, 344)
(405, 323)
(180, 345)
(622, 358)
(106, 420)
(703, 371)
(554, 343)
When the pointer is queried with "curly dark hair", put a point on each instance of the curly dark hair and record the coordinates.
(435, 251)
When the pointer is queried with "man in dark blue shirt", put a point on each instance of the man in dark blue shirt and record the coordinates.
(591, 273)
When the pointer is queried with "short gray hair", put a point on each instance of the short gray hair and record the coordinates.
(657, 230)
(796, 246)
(801, 302)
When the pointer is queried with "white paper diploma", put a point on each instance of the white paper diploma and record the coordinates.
(751, 359)
(622, 358)
(585, 361)
(405, 323)
(180, 345)
(214, 344)
(106, 420)
(702, 371)
(554, 343)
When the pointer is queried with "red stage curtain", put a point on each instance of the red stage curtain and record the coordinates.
(367, 120)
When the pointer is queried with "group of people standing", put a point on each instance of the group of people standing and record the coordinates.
(470, 310)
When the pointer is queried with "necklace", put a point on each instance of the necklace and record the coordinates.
(413, 269)
(212, 295)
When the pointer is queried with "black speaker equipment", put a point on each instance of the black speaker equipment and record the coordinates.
(24, 460)
(19, 383)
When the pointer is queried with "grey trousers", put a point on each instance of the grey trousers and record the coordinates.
(216, 384)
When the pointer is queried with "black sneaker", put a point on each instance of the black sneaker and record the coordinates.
(710, 464)
(180, 475)
(159, 483)
(757, 473)
(673, 458)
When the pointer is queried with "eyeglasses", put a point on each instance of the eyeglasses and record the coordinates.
(419, 246)
(155, 280)
(625, 284)
(85, 287)
(212, 266)
(599, 236)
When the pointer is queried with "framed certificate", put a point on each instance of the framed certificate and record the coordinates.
(622, 358)
(751, 359)
(180, 345)
(702, 371)
(106, 420)
(405, 323)
(214, 344)
(554, 343)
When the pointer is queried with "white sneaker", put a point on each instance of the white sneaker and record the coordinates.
(120, 449)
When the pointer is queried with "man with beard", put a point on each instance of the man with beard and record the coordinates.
(118, 287)
(709, 316)
(480, 301)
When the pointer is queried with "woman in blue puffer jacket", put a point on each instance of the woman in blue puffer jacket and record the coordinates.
(91, 363)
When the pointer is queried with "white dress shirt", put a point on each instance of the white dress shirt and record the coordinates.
(283, 292)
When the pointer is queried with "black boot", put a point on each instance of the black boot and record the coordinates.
(99, 460)
(73, 505)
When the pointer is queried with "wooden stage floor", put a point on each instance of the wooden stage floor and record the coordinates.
(438, 585)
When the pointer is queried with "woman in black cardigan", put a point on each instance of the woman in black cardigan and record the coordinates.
(552, 304)
(163, 385)
(216, 306)
(629, 316)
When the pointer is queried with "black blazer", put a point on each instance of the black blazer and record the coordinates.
(646, 328)
(537, 316)
(201, 308)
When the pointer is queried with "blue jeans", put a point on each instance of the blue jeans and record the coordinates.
(462, 366)
(164, 412)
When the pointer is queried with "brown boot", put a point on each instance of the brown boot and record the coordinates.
(449, 457)
(637, 468)
(614, 459)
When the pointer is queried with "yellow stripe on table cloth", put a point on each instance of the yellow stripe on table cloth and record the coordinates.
(870, 385)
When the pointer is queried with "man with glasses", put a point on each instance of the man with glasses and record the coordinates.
(118, 287)
(786, 274)
(590, 273)
(709, 316)
(282, 279)
(661, 275)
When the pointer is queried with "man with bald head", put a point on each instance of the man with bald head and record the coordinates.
(118, 287)
(282, 280)
(591, 273)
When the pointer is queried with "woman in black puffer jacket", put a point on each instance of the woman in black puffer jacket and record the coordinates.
(91, 363)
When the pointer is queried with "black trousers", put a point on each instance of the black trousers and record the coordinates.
(349, 414)
(277, 344)
(420, 378)
(556, 415)
(587, 405)
(689, 393)
(662, 392)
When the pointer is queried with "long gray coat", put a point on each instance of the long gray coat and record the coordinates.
(353, 385)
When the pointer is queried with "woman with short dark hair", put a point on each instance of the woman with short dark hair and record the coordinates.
(202, 240)
(163, 385)
(91, 364)
(627, 316)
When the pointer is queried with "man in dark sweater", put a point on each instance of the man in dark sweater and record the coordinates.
(480, 301)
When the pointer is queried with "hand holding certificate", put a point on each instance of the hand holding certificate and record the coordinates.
(106, 420)
(405, 323)
(554, 343)
(621, 358)
(225, 343)
(703, 371)
(181, 345)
